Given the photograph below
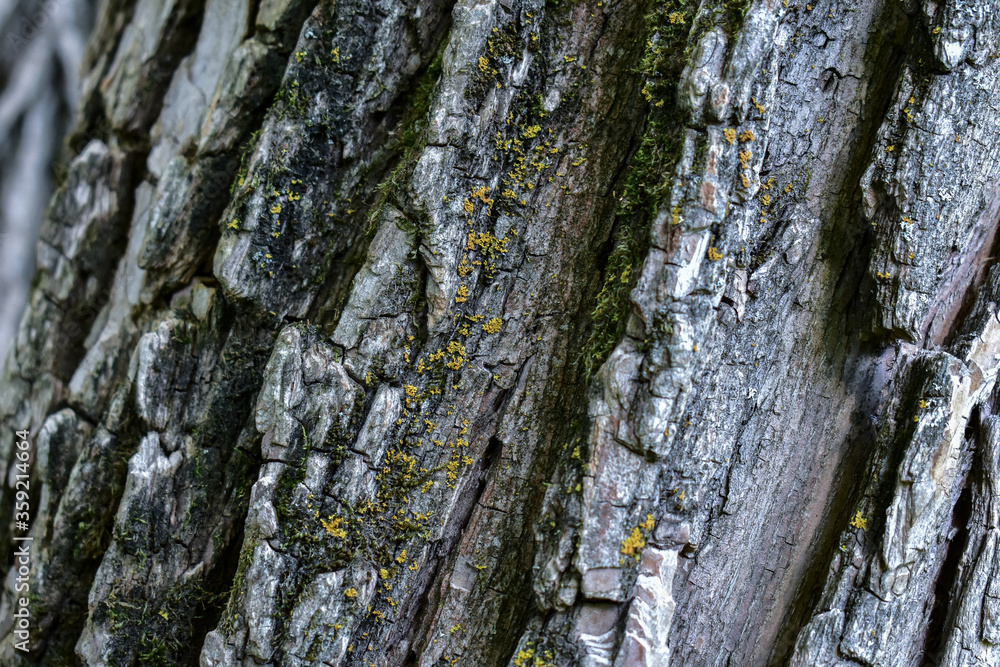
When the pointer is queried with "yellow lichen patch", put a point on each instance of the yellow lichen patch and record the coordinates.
(730, 135)
(235, 224)
(676, 17)
(480, 194)
(634, 543)
(745, 159)
(747, 135)
(484, 64)
(463, 268)
(457, 352)
(486, 243)
(469, 207)
(452, 468)
(493, 326)
(401, 558)
(532, 132)
(332, 526)
(394, 458)
(859, 521)
(463, 294)
(523, 658)
(351, 593)
(276, 208)
(923, 404)
(760, 107)
(714, 254)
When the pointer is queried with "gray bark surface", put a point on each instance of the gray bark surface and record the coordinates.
(518, 332)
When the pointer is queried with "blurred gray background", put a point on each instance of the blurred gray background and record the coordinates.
(41, 46)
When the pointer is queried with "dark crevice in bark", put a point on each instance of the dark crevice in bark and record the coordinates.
(639, 188)
(410, 637)
(847, 248)
(951, 568)
(209, 609)
(898, 46)
(493, 450)
(963, 291)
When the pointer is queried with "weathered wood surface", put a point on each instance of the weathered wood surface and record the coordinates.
(517, 333)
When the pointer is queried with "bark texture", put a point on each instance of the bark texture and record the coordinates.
(518, 332)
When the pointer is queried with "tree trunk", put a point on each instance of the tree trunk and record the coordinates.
(517, 332)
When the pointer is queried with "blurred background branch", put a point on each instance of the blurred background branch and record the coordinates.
(41, 47)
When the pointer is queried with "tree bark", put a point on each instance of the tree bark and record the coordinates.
(517, 332)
